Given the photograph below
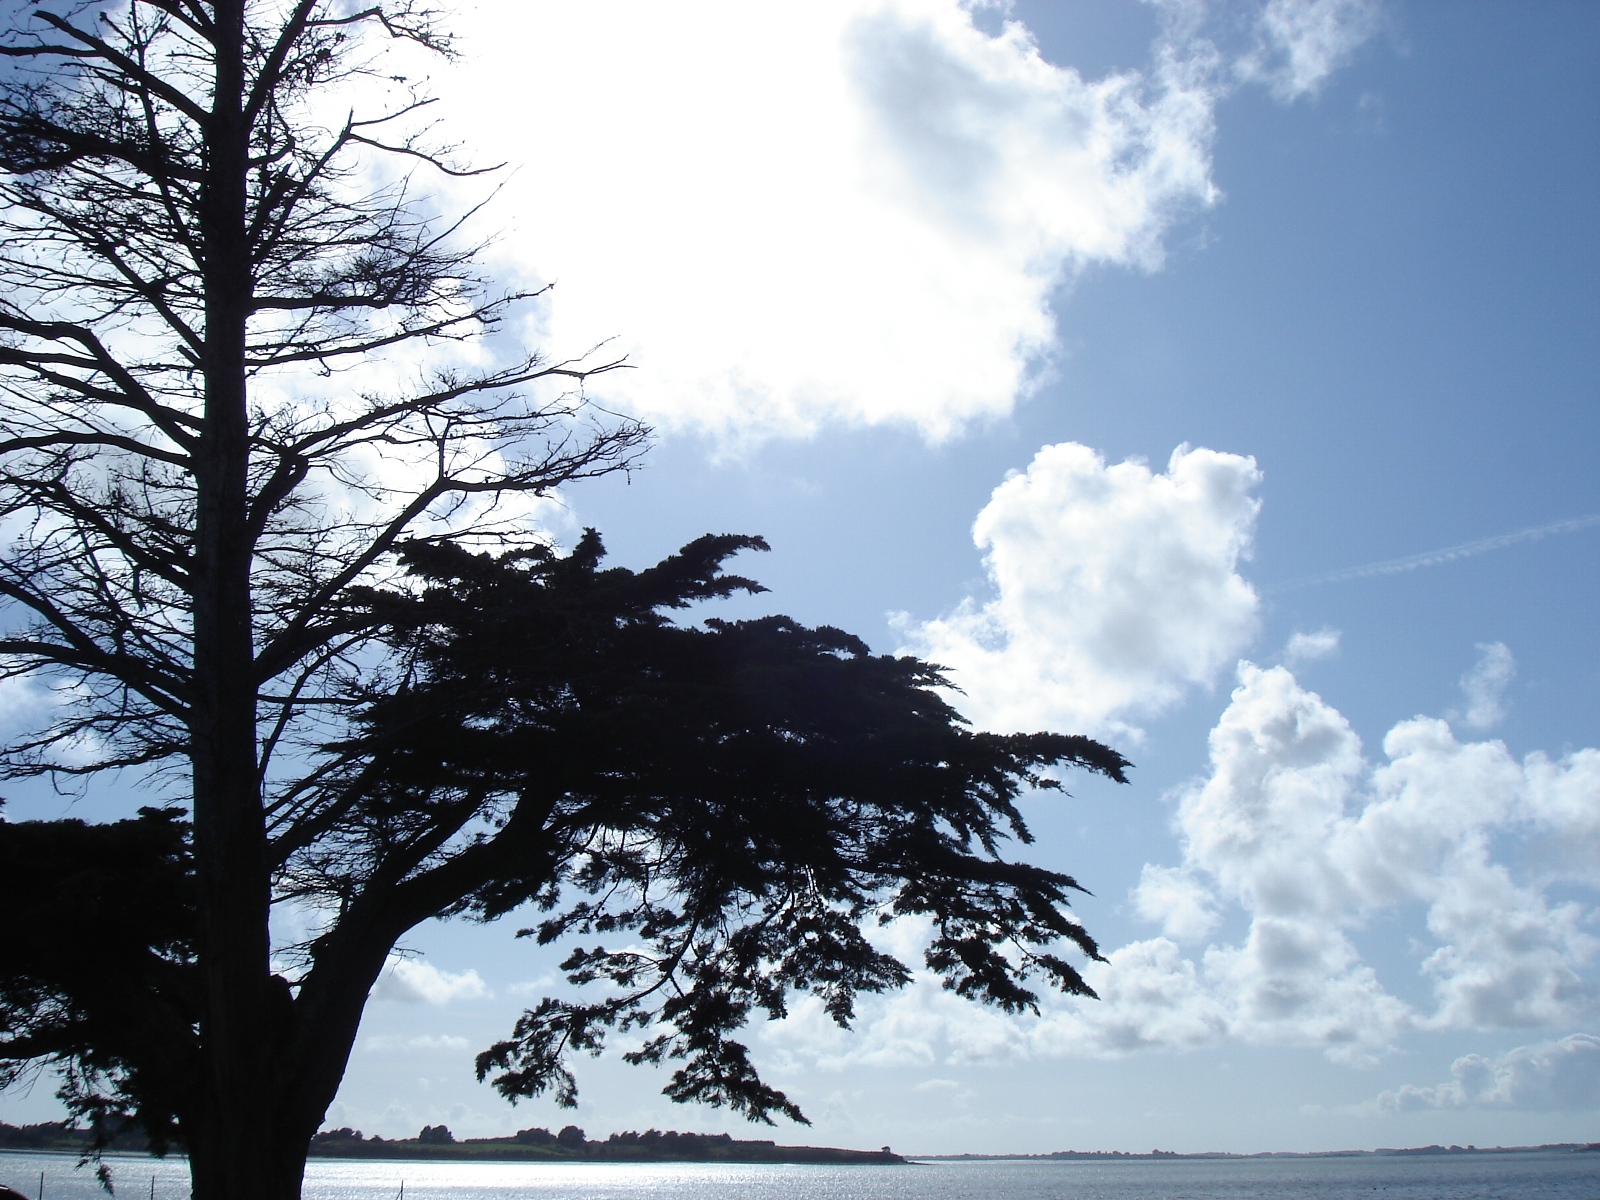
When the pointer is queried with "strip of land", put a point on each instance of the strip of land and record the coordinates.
(1161, 1155)
(527, 1145)
(571, 1145)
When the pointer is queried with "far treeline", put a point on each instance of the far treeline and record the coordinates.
(534, 1145)
(571, 1144)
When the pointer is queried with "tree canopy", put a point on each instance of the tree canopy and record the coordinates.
(742, 797)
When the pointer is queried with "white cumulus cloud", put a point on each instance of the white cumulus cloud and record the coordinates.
(1173, 898)
(849, 210)
(1115, 589)
(1295, 835)
(1309, 647)
(415, 981)
(843, 212)
(1560, 1076)
(916, 1026)
(1295, 830)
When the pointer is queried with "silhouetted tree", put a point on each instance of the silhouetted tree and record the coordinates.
(742, 798)
(201, 255)
(204, 508)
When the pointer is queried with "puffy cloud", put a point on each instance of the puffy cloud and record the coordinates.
(1150, 995)
(1294, 832)
(24, 700)
(1257, 833)
(916, 1026)
(32, 702)
(1115, 588)
(1290, 983)
(413, 981)
(850, 210)
(1561, 798)
(1174, 899)
(1485, 685)
(1309, 647)
(1562, 1076)
(1508, 955)
(1293, 828)
(1299, 43)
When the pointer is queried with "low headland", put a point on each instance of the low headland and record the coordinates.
(436, 1142)
(571, 1145)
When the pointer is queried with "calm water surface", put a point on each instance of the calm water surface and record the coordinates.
(1553, 1176)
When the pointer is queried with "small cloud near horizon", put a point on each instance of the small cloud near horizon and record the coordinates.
(416, 981)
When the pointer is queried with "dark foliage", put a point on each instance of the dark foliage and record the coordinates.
(46, 1135)
(96, 960)
(342, 1134)
(739, 798)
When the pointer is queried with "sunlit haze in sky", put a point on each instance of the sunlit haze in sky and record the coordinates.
(1176, 372)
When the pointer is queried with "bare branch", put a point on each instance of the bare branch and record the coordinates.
(89, 45)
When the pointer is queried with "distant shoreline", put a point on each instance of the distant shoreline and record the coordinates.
(1167, 1155)
(654, 1147)
(529, 1145)
(498, 1150)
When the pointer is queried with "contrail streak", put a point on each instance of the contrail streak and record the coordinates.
(1432, 558)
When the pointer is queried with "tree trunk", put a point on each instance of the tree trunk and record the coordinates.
(234, 1141)
(213, 1175)
(312, 1037)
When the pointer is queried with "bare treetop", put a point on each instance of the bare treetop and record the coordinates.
(121, 254)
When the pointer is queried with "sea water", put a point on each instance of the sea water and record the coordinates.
(1557, 1175)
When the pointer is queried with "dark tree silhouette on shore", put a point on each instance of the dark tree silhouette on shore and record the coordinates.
(249, 565)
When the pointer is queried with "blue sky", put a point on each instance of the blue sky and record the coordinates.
(1179, 308)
